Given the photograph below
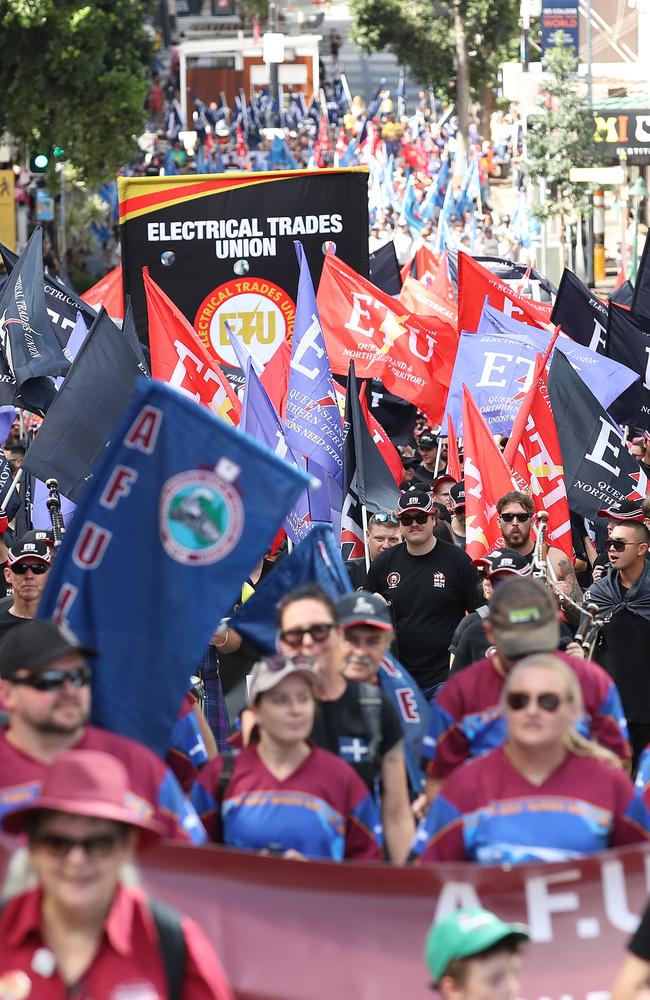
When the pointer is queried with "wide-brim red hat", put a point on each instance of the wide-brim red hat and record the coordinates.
(89, 783)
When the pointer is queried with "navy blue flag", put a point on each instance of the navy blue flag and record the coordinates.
(624, 294)
(6, 478)
(641, 296)
(317, 560)
(580, 313)
(598, 468)
(61, 302)
(628, 342)
(29, 344)
(80, 420)
(384, 269)
(181, 507)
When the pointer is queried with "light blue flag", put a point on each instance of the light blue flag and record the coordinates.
(260, 419)
(313, 419)
(497, 364)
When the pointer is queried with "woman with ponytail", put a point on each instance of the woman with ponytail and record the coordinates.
(547, 794)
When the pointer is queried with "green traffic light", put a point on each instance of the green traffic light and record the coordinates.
(41, 161)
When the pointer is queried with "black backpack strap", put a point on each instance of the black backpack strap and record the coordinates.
(173, 949)
(370, 703)
(227, 767)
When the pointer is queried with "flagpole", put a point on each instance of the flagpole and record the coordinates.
(12, 488)
(437, 463)
(364, 521)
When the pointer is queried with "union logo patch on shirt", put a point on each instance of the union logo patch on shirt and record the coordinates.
(353, 749)
(439, 579)
(393, 579)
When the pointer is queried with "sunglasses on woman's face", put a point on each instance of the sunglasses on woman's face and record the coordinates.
(294, 636)
(98, 846)
(408, 519)
(549, 701)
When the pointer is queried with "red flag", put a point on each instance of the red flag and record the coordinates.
(476, 282)
(453, 457)
(275, 377)
(179, 358)
(385, 446)
(533, 452)
(241, 149)
(426, 262)
(108, 293)
(442, 285)
(413, 355)
(423, 301)
(486, 479)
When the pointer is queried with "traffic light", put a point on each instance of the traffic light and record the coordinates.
(40, 160)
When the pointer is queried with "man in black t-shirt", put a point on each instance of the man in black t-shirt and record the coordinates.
(28, 563)
(355, 721)
(429, 584)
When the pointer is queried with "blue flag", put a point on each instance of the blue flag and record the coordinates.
(259, 418)
(180, 508)
(318, 560)
(497, 363)
(314, 426)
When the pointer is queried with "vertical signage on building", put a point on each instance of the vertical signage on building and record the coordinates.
(7, 209)
(560, 24)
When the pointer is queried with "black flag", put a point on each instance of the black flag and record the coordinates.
(624, 294)
(598, 468)
(80, 421)
(130, 332)
(367, 480)
(641, 297)
(628, 342)
(61, 302)
(384, 269)
(29, 344)
(582, 315)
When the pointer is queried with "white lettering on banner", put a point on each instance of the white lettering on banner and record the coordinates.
(378, 396)
(180, 371)
(118, 486)
(58, 320)
(541, 903)
(641, 132)
(91, 546)
(598, 336)
(143, 432)
(489, 367)
(472, 472)
(357, 313)
(542, 467)
(608, 440)
(615, 898)
(646, 380)
(251, 232)
(281, 448)
(65, 600)
(408, 704)
(413, 346)
(307, 342)
(455, 896)
(509, 307)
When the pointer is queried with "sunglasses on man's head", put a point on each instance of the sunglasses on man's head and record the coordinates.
(382, 517)
(509, 518)
(55, 680)
(618, 544)
(20, 568)
(408, 519)
(294, 636)
(549, 701)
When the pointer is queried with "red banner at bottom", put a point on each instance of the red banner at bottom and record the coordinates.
(291, 930)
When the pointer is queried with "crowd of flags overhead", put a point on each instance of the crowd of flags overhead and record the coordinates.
(553, 394)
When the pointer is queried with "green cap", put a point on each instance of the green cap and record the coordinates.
(465, 933)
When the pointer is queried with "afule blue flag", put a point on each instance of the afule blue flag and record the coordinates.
(179, 510)
(318, 560)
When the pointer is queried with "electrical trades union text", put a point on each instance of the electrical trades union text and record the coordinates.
(244, 237)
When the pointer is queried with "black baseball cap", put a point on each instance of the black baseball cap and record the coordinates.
(457, 494)
(363, 608)
(427, 441)
(33, 644)
(39, 535)
(419, 500)
(624, 510)
(504, 561)
(26, 548)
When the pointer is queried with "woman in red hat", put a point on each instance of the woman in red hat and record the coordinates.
(82, 932)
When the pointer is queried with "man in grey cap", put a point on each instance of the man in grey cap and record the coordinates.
(367, 634)
(466, 717)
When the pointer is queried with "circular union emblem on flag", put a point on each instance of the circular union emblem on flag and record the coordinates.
(201, 517)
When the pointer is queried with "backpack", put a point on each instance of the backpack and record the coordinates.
(370, 704)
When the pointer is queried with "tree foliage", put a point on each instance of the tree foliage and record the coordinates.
(420, 33)
(73, 74)
(561, 135)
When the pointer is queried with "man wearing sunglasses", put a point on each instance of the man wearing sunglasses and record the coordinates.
(28, 563)
(383, 533)
(45, 685)
(516, 511)
(430, 584)
(622, 597)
